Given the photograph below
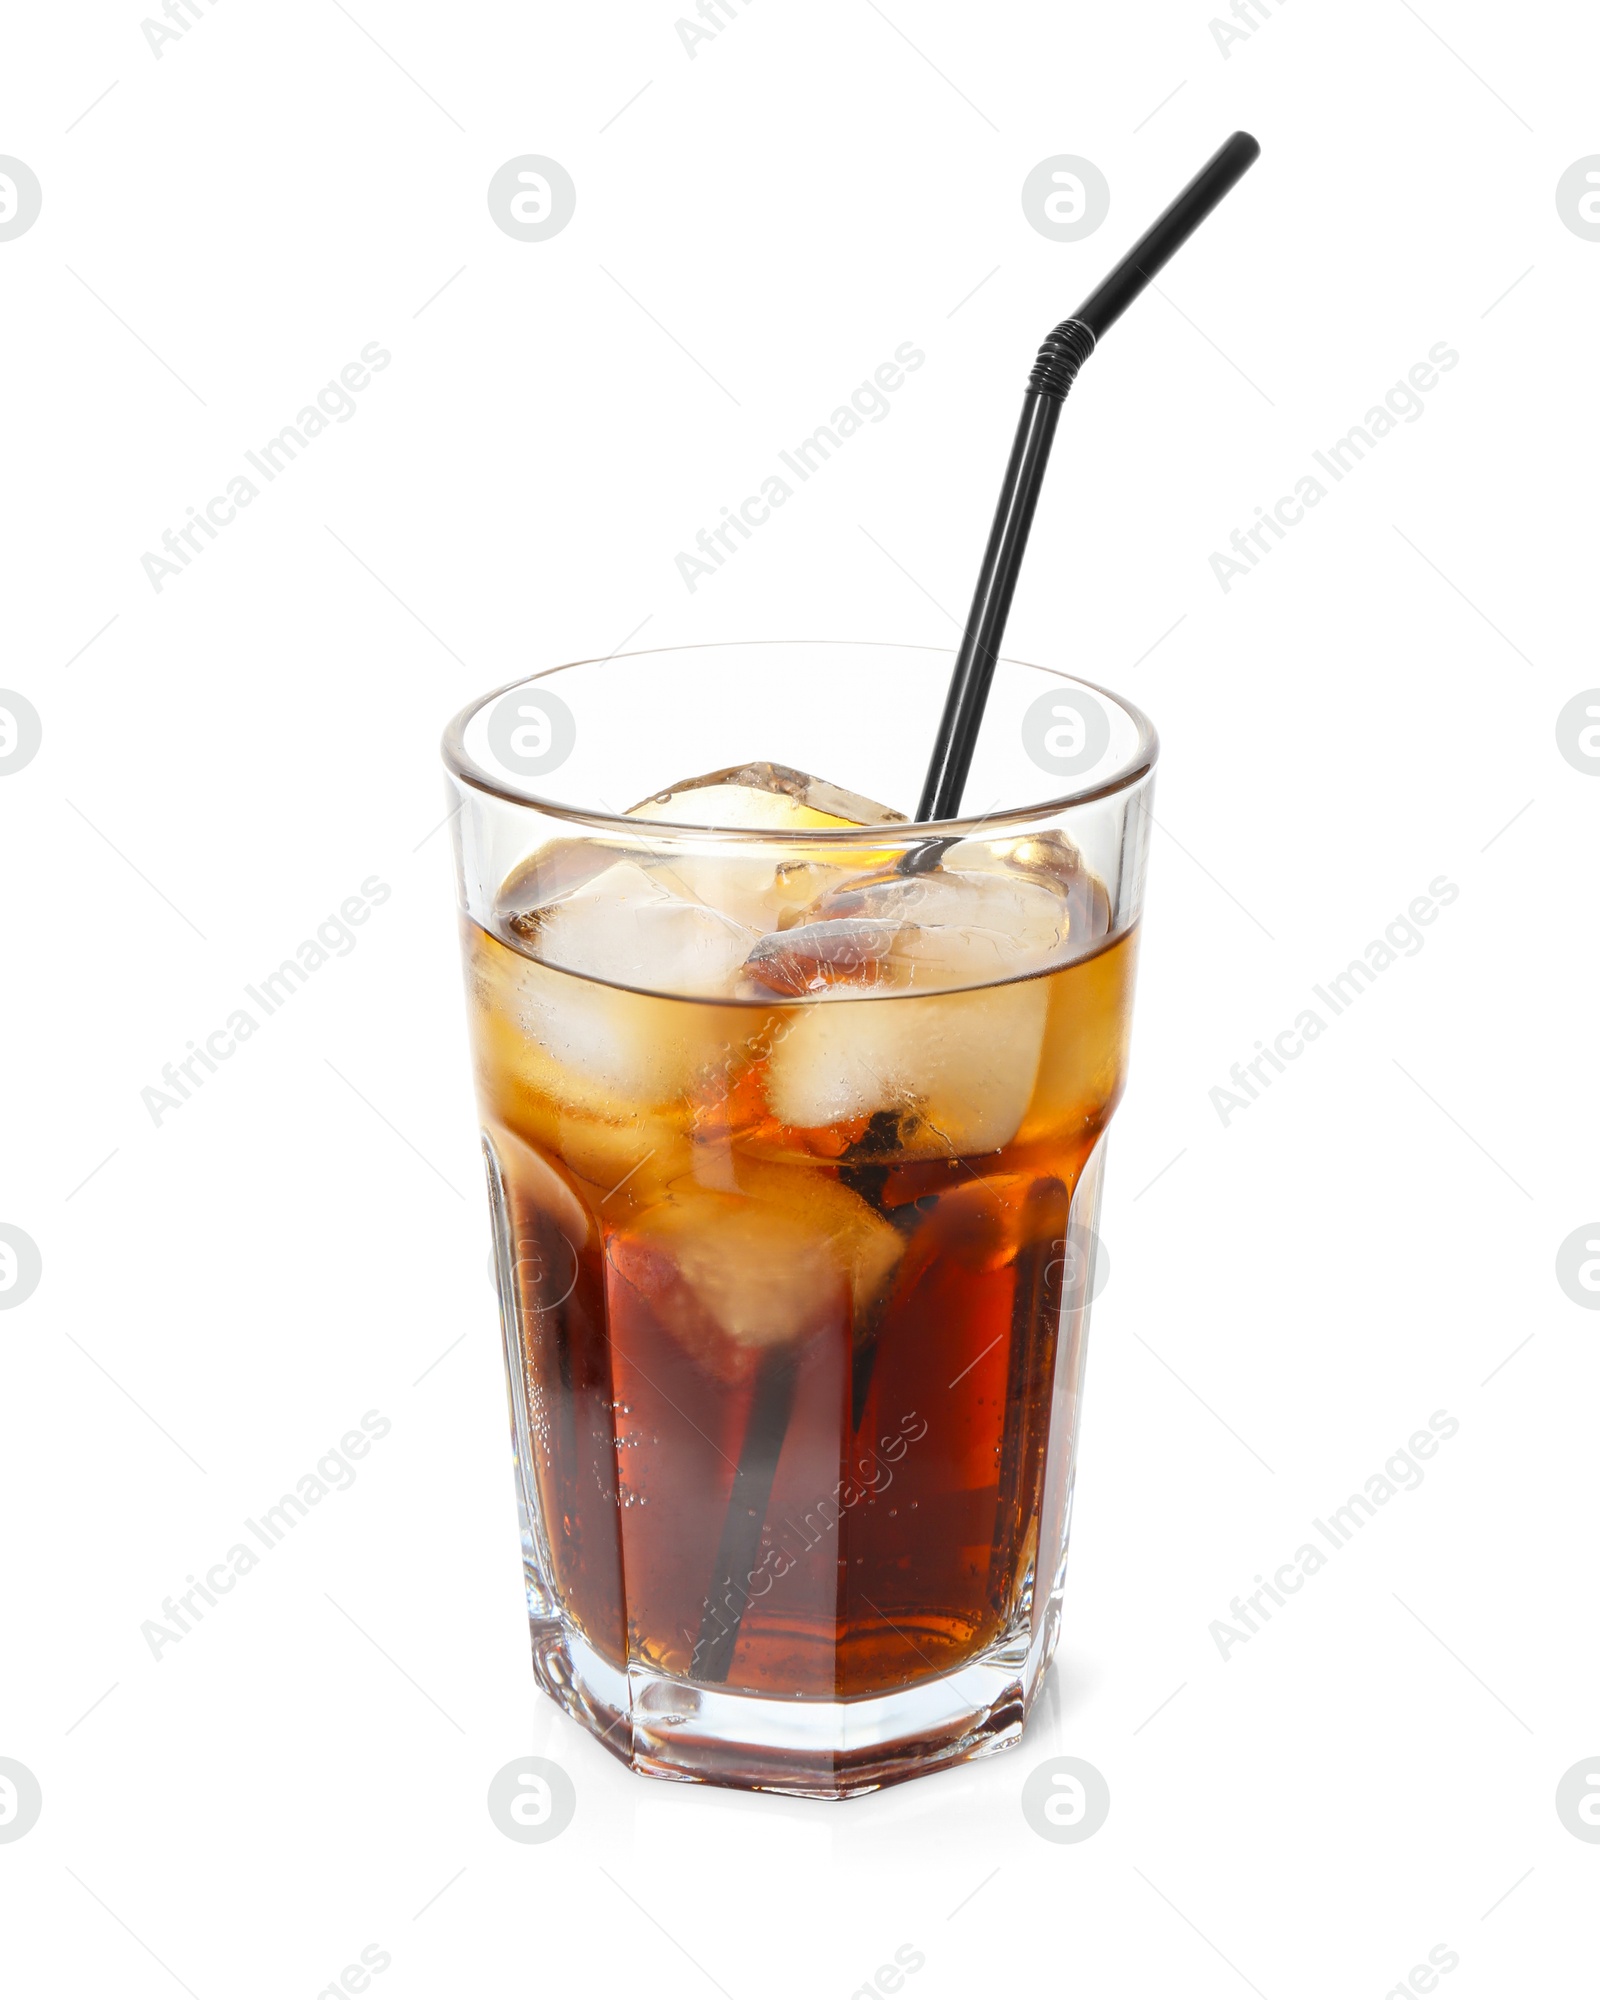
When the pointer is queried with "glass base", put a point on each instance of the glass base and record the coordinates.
(666, 1728)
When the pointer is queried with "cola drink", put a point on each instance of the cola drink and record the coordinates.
(793, 1153)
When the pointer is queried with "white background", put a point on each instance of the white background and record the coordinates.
(224, 762)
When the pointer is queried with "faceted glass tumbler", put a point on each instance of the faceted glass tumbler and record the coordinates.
(794, 1122)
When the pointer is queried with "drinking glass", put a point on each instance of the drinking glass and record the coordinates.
(794, 1120)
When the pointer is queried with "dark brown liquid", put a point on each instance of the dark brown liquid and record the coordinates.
(902, 1432)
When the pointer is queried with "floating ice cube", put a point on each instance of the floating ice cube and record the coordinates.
(1028, 920)
(1050, 856)
(858, 952)
(758, 890)
(1050, 860)
(554, 869)
(955, 1068)
(747, 887)
(761, 795)
(598, 1078)
(958, 1069)
(925, 932)
(619, 1072)
(626, 927)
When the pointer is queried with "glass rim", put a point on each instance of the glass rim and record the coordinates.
(1133, 768)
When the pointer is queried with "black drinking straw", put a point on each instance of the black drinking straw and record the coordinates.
(1062, 355)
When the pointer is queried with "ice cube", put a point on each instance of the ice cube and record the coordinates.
(1049, 855)
(626, 927)
(1052, 861)
(954, 1069)
(957, 1069)
(597, 1077)
(928, 932)
(552, 870)
(761, 795)
(609, 1078)
(622, 1051)
(788, 1254)
(749, 888)
(1027, 919)
(759, 890)
(812, 958)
